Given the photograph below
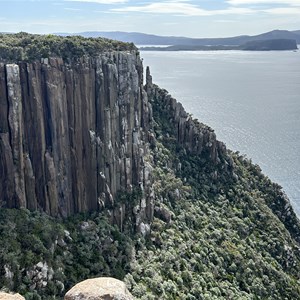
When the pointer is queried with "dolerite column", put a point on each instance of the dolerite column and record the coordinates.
(16, 134)
(6, 160)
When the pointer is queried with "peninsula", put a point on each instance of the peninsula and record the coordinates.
(105, 175)
(259, 45)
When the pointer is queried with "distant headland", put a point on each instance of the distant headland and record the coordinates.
(273, 40)
(263, 45)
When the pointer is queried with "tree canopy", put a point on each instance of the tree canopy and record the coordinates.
(30, 47)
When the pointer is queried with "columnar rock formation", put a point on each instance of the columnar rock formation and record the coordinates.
(74, 135)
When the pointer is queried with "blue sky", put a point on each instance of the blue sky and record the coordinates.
(194, 18)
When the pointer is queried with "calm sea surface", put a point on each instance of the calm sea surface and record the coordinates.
(250, 99)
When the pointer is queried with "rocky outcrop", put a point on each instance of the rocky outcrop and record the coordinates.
(6, 296)
(39, 275)
(74, 135)
(195, 137)
(104, 288)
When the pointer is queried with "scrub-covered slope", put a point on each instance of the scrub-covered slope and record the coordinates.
(232, 232)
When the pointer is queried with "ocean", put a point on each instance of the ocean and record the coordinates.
(251, 100)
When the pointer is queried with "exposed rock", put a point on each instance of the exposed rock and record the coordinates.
(40, 274)
(144, 229)
(193, 136)
(74, 134)
(163, 213)
(8, 272)
(15, 122)
(6, 296)
(105, 288)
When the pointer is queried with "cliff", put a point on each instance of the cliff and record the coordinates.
(75, 135)
(72, 135)
(85, 146)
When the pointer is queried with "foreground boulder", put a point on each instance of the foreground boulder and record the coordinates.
(104, 288)
(6, 296)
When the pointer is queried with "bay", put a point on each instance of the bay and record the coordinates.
(251, 100)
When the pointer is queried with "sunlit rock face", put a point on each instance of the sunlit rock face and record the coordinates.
(105, 288)
(6, 296)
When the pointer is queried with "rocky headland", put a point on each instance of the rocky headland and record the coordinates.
(103, 174)
(76, 133)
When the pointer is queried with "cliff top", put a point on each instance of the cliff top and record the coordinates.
(30, 47)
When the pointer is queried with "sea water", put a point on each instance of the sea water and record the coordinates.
(251, 100)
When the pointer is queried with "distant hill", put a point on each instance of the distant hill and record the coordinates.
(149, 39)
(267, 45)
(296, 31)
(256, 45)
(136, 37)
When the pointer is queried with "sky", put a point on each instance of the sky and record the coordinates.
(191, 18)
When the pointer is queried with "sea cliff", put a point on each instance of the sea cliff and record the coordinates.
(103, 174)
(75, 134)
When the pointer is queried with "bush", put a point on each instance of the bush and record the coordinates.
(31, 47)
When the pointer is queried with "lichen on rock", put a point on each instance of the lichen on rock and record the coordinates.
(103, 288)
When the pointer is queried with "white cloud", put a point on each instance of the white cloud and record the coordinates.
(288, 7)
(99, 1)
(247, 2)
(283, 11)
(181, 8)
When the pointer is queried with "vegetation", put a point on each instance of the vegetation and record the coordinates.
(232, 234)
(230, 237)
(227, 239)
(41, 257)
(224, 245)
(30, 47)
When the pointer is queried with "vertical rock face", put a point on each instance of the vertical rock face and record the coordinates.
(73, 135)
(13, 142)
